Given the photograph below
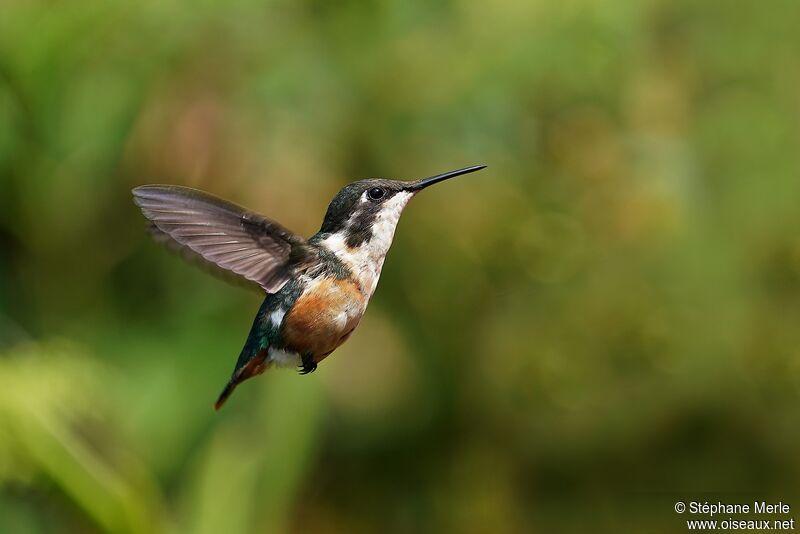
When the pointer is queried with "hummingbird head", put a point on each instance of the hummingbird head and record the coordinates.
(360, 208)
(361, 219)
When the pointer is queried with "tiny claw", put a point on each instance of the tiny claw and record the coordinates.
(309, 365)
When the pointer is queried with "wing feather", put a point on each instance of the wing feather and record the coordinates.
(222, 233)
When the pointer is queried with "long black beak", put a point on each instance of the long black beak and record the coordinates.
(419, 185)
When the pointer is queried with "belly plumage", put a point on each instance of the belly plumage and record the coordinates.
(323, 317)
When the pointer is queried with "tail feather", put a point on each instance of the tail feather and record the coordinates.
(254, 366)
(229, 387)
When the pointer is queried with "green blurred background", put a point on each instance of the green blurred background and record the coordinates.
(601, 323)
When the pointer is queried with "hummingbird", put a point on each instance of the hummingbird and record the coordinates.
(317, 289)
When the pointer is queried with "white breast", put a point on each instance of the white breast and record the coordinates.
(366, 261)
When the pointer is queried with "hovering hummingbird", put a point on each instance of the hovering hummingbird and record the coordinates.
(317, 289)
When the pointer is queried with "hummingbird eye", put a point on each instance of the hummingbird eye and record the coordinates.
(375, 193)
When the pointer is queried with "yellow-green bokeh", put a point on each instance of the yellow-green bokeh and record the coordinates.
(603, 322)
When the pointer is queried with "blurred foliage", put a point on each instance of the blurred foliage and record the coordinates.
(601, 323)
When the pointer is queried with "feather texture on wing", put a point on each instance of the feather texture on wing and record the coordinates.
(222, 233)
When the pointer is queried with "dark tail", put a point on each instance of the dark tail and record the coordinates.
(224, 395)
(253, 366)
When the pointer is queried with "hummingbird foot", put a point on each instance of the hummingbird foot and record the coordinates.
(309, 365)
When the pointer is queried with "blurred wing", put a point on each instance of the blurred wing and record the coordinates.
(193, 257)
(222, 233)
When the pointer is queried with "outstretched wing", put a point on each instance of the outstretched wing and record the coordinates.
(193, 257)
(223, 233)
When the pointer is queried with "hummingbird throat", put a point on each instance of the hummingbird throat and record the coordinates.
(363, 242)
